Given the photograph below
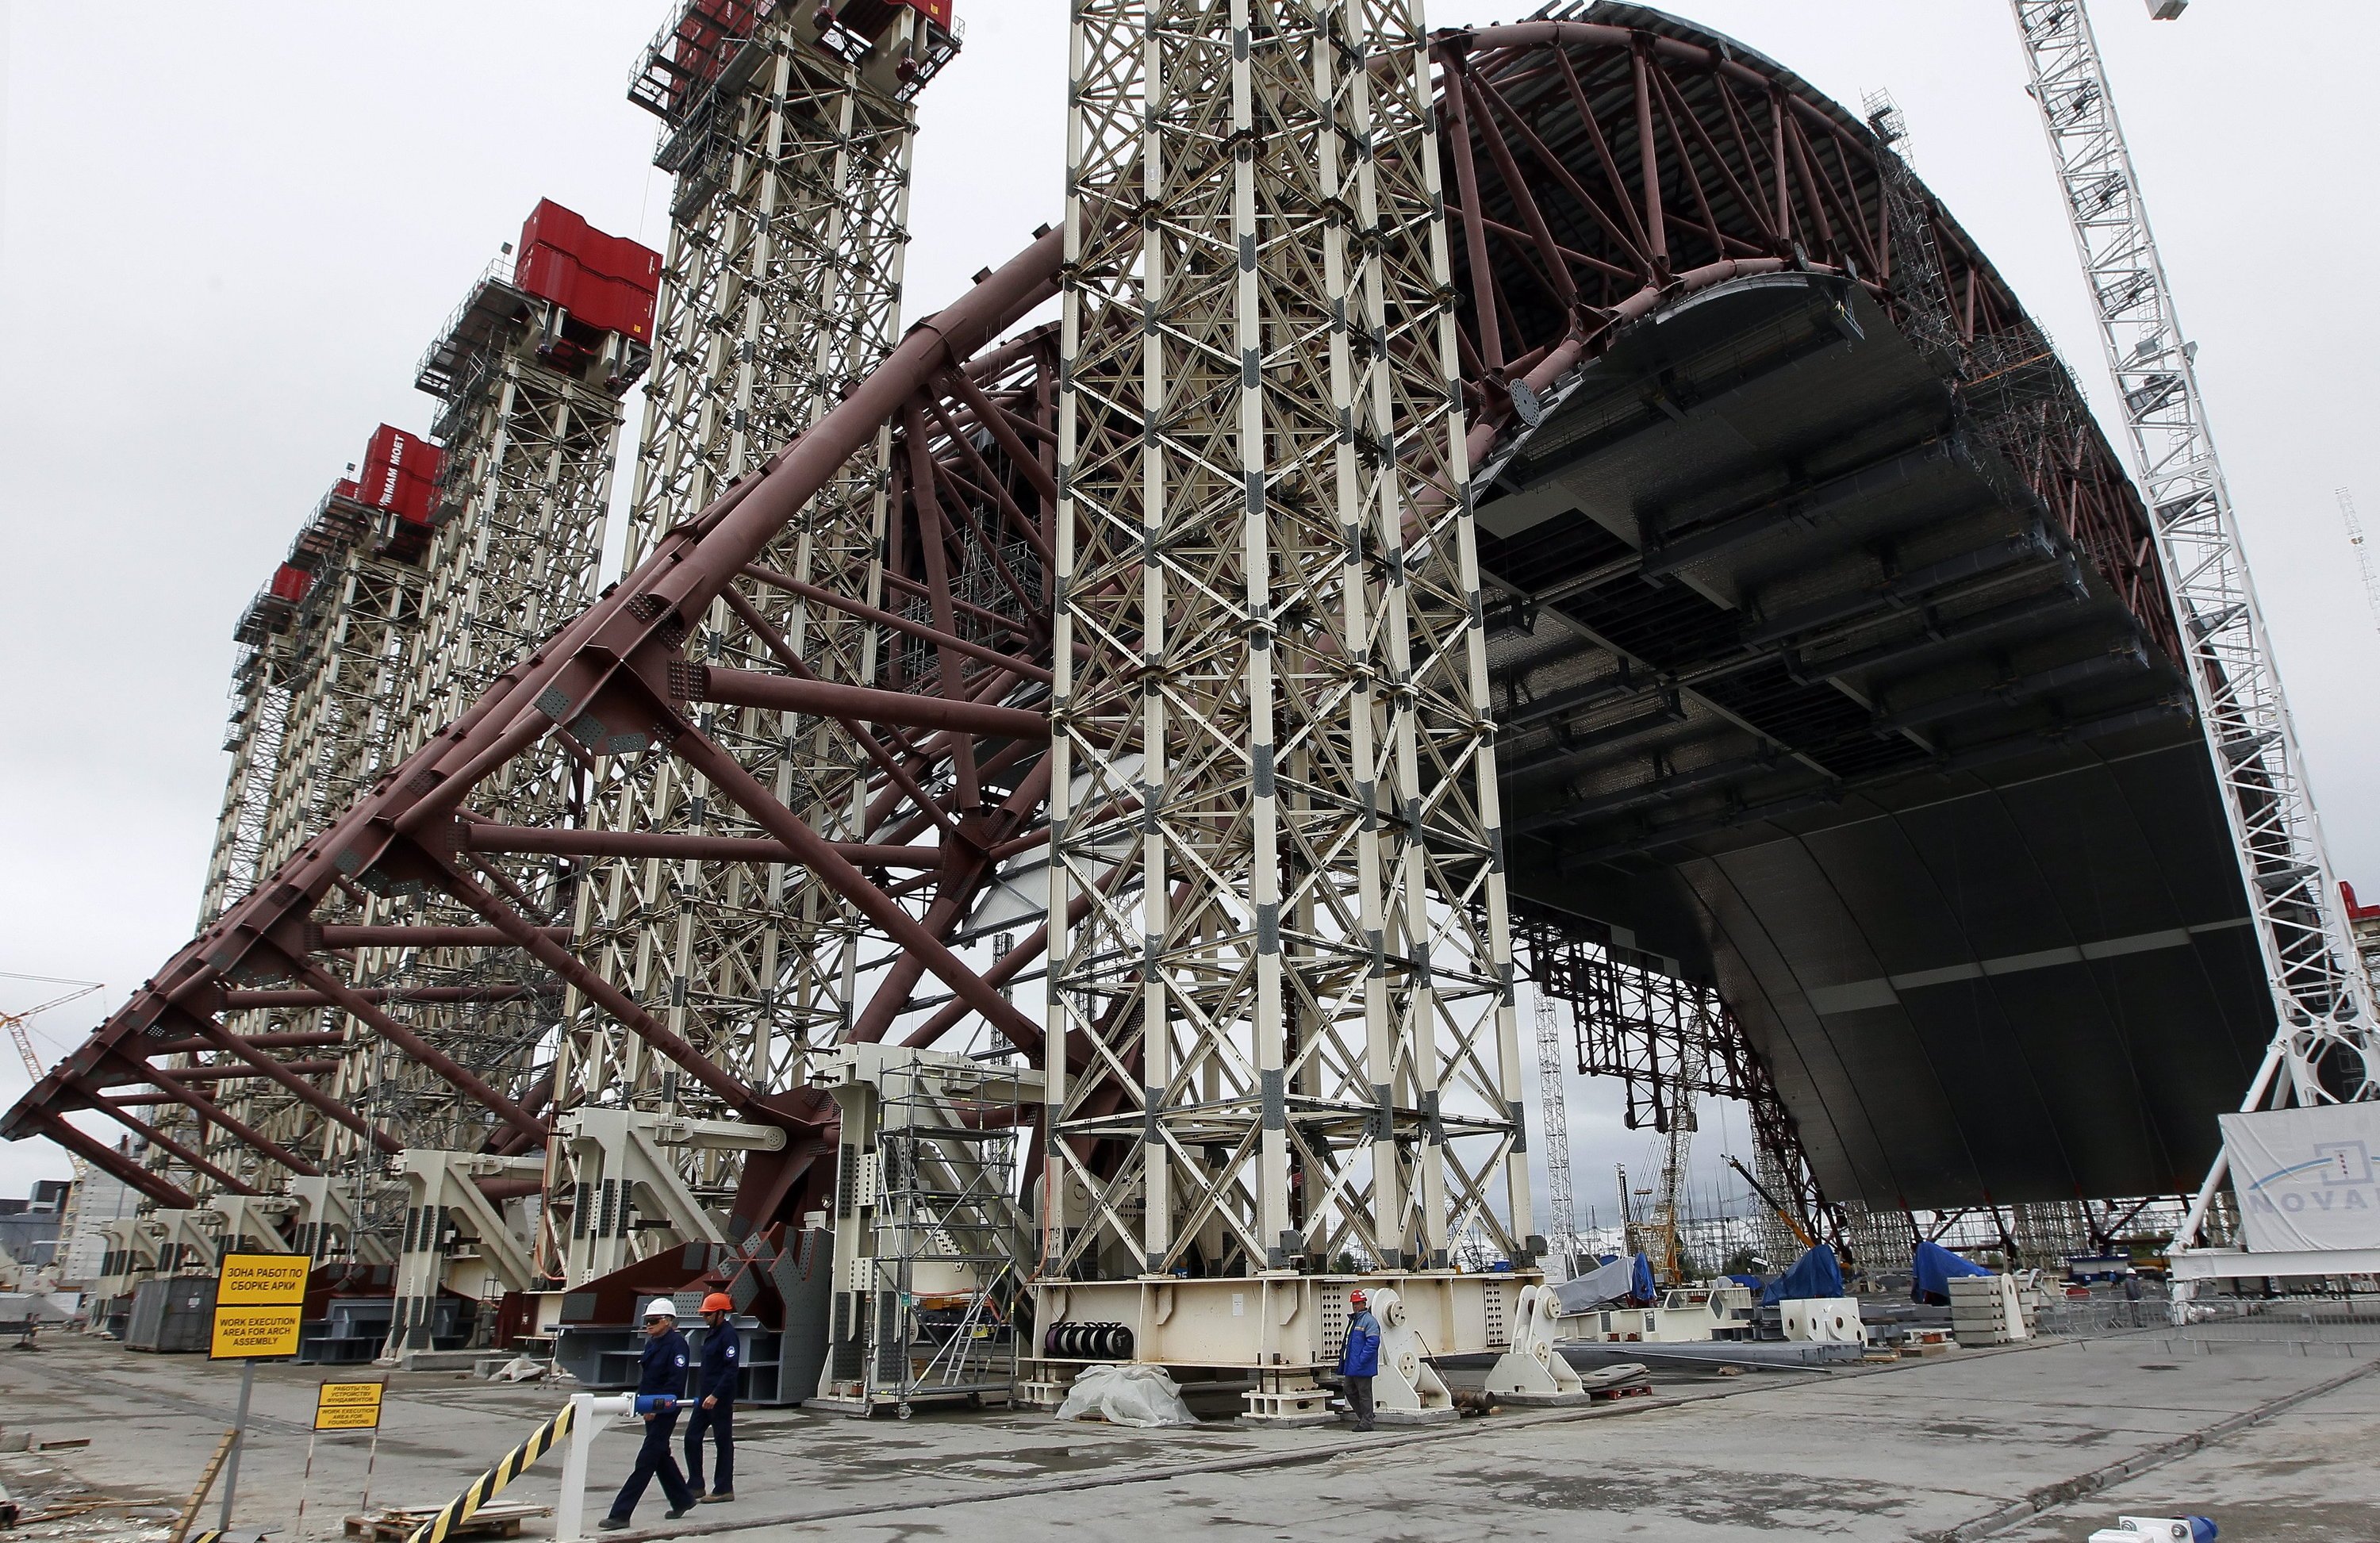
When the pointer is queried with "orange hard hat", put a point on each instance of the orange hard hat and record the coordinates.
(719, 1301)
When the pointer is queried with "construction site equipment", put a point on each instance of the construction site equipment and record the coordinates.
(1800, 1236)
(1266, 851)
(2363, 566)
(1553, 1135)
(929, 1231)
(1985, 1309)
(573, 1428)
(788, 130)
(16, 1021)
(2326, 1046)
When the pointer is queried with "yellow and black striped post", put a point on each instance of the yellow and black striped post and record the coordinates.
(488, 1485)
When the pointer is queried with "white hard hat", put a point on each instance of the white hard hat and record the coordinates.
(660, 1306)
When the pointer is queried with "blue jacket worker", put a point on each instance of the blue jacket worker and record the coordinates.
(1360, 1361)
(661, 1376)
(714, 1401)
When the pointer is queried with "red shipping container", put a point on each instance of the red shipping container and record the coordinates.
(607, 282)
(290, 583)
(400, 474)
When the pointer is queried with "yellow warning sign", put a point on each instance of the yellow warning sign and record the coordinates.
(348, 1405)
(259, 1332)
(261, 1280)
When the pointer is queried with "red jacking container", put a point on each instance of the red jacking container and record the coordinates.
(290, 583)
(604, 282)
(936, 11)
(400, 474)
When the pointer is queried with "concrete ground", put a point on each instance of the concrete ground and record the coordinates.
(2241, 1422)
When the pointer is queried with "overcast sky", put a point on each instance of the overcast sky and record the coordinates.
(228, 231)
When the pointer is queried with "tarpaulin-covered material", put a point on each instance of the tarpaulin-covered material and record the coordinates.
(1143, 1396)
(1815, 1273)
(1932, 1270)
(1619, 1279)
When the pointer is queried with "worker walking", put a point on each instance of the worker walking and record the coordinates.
(715, 1401)
(1360, 1361)
(661, 1376)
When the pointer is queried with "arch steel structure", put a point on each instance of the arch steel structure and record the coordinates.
(1556, 709)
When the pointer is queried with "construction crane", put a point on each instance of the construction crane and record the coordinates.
(1563, 1222)
(2323, 1049)
(1801, 1234)
(1665, 1232)
(16, 1021)
(2363, 551)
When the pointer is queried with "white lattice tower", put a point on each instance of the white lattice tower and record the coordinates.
(2363, 566)
(312, 693)
(2325, 1040)
(779, 287)
(342, 722)
(530, 418)
(1286, 1018)
(259, 718)
(1553, 1133)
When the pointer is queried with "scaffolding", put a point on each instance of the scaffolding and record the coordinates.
(949, 1236)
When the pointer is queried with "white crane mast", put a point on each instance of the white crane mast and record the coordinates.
(1563, 1231)
(2363, 551)
(2322, 1001)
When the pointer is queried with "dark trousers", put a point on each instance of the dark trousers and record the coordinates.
(1359, 1397)
(720, 1420)
(654, 1460)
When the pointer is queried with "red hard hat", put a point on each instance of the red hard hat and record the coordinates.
(719, 1301)
(1358, 1298)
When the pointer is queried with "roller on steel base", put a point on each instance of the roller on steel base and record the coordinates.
(1408, 1390)
(1532, 1371)
(1282, 1328)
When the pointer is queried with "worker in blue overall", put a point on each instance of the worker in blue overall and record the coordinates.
(714, 1401)
(1360, 1361)
(660, 1376)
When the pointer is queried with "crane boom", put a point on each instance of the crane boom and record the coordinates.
(1563, 1222)
(16, 1021)
(2322, 1048)
(2363, 551)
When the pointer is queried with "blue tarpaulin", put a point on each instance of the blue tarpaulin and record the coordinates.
(1815, 1273)
(1933, 1269)
(1641, 1283)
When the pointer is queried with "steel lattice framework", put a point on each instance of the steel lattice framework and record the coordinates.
(1187, 580)
(1275, 772)
(2326, 1042)
(259, 720)
(790, 139)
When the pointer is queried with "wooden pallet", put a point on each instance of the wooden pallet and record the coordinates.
(1604, 1395)
(1918, 1349)
(397, 1523)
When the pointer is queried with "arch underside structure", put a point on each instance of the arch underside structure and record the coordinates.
(1830, 665)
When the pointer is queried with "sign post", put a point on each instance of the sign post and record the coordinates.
(258, 1300)
(343, 1406)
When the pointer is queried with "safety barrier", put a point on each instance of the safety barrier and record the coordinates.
(577, 1426)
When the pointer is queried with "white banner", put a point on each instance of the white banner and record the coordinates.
(2306, 1178)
